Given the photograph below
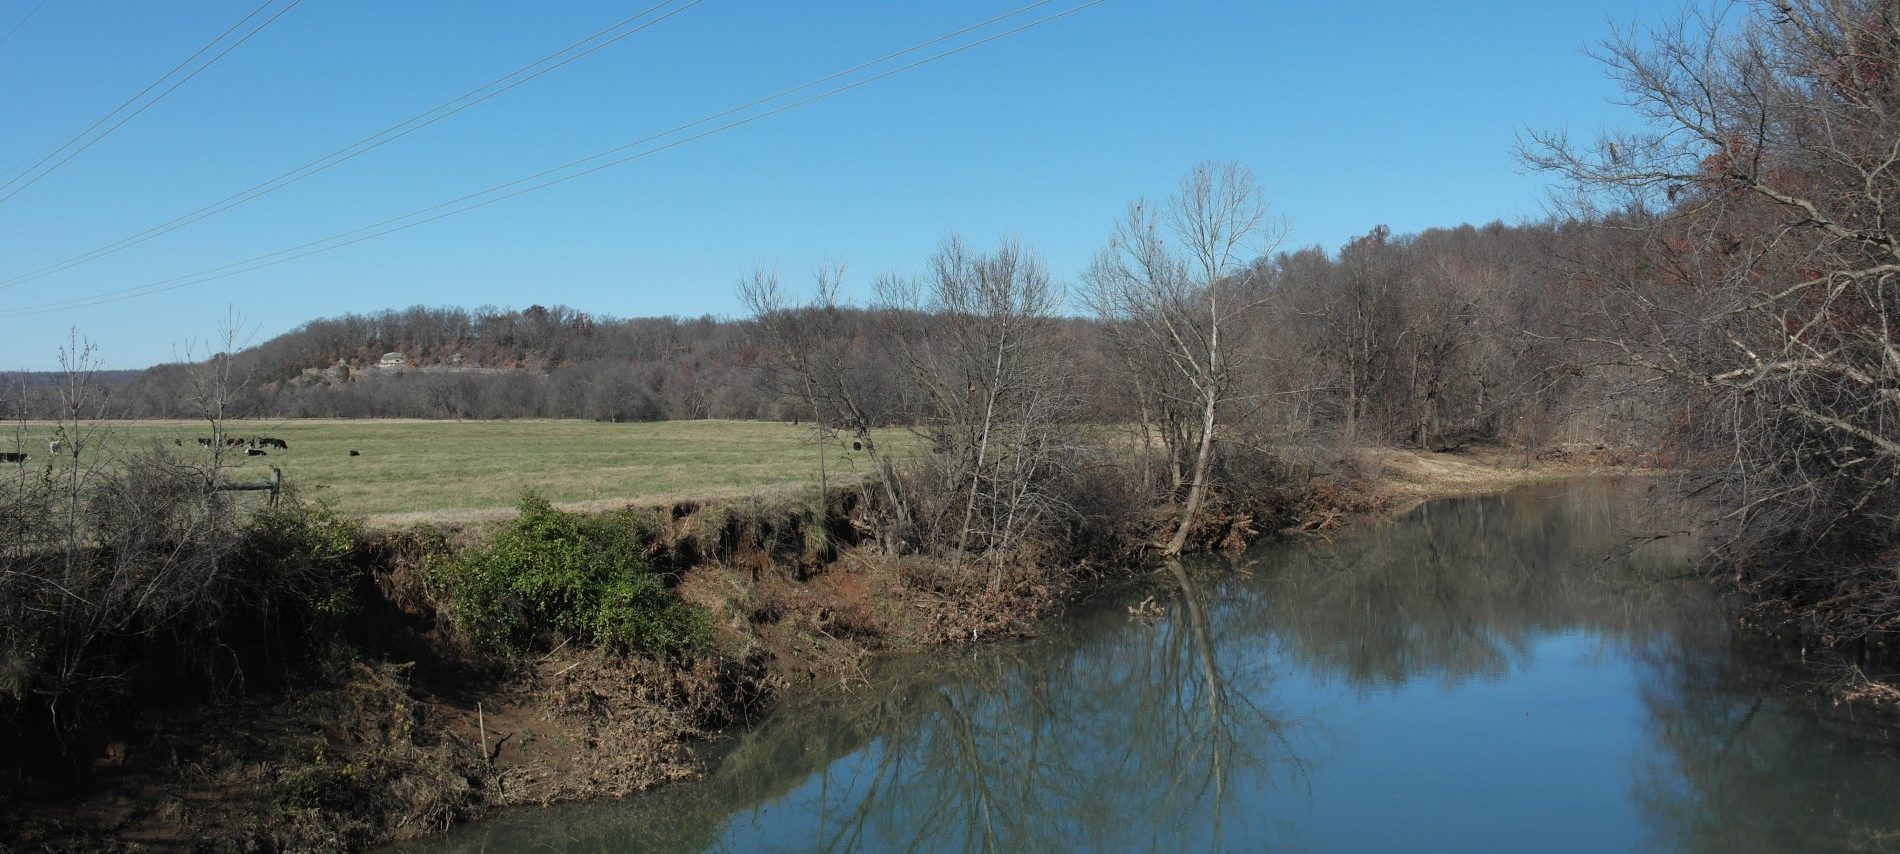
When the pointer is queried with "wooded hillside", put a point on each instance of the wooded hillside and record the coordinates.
(1415, 338)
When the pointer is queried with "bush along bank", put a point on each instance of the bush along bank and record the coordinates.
(348, 688)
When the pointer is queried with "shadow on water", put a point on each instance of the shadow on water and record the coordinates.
(1491, 673)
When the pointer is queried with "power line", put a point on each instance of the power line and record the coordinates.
(469, 202)
(369, 143)
(148, 104)
(140, 94)
(22, 23)
(547, 172)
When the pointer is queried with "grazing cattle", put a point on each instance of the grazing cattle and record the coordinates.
(203, 442)
(272, 442)
(13, 457)
(255, 452)
(355, 453)
(53, 446)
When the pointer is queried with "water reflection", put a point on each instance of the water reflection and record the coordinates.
(1111, 738)
(1741, 766)
(1460, 590)
(1479, 674)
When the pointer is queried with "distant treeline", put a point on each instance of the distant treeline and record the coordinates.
(14, 381)
(1414, 339)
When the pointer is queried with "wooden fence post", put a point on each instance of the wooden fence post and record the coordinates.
(275, 486)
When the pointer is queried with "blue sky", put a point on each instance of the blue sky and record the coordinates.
(1352, 115)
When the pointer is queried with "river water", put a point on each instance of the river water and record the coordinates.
(1484, 674)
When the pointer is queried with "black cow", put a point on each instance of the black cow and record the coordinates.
(203, 442)
(355, 453)
(14, 457)
(255, 452)
(273, 442)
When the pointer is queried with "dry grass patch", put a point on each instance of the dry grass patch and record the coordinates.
(1411, 476)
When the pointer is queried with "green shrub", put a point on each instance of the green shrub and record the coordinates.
(558, 574)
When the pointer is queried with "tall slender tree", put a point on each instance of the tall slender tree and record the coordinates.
(1173, 285)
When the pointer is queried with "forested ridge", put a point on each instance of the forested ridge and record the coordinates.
(1413, 338)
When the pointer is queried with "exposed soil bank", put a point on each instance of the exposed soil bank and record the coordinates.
(408, 731)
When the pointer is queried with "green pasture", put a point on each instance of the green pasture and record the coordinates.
(437, 471)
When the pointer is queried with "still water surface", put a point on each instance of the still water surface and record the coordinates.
(1487, 674)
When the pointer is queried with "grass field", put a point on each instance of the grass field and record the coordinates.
(444, 471)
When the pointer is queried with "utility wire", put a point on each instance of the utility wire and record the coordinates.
(369, 143)
(22, 23)
(148, 104)
(651, 138)
(391, 226)
(50, 154)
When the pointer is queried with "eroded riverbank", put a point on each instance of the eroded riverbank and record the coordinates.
(1491, 673)
(411, 734)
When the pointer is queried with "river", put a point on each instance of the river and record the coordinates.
(1484, 674)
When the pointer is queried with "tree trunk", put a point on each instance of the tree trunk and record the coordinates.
(1198, 489)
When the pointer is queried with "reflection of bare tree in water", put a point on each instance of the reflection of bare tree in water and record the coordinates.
(1138, 733)
(1233, 728)
(1746, 763)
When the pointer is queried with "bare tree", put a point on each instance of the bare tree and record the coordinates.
(216, 388)
(820, 358)
(73, 452)
(1362, 323)
(1172, 284)
(993, 389)
(111, 548)
(1757, 272)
